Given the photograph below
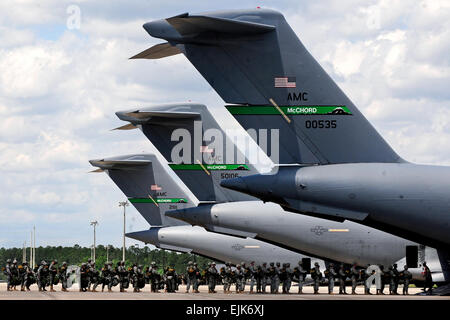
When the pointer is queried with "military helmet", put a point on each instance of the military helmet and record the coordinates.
(89, 260)
(195, 263)
(153, 263)
(189, 262)
(278, 264)
(265, 264)
(316, 264)
(55, 261)
(64, 263)
(8, 261)
(288, 264)
(213, 263)
(43, 262)
(272, 264)
(405, 267)
(238, 266)
(14, 261)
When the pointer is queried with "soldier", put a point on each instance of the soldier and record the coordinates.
(53, 272)
(22, 275)
(134, 277)
(298, 276)
(251, 271)
(170, 277)
(8, 274)
(264, 279)
(29, 277)
(197, 278)
(107, 275)
(212, 277)
(259, 276)
(239, 275)
(288, 278)
(277, 276)
(84, 277)
(406, 277)
(155, 277)
(393, 280)
(191, 277)
(14, 274)
(354, 274)
(271, 276)
(42, 276)
(88, 275)
(342, 277)
(226, 277)
(94, 277)
(63, 276)
(331, 274)
(384, 279)
(428, 279)
(316, 275)
(123, 276)
(396, 278)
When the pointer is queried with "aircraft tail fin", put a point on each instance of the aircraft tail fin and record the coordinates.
(147, 185)
(202, 162)
(274, 82)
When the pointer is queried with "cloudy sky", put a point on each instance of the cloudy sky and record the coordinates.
(61, 82)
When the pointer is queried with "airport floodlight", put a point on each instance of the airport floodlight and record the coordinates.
(94, 224)
(123, 204)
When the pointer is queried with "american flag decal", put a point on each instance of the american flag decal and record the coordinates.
(205, 149)
(155, 187)
(284, 82)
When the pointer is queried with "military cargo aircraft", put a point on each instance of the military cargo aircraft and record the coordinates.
(339, 167)
(346, 242)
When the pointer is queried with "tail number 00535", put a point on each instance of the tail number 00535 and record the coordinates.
(320, 124)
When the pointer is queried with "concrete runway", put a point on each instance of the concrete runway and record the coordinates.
(74, 294)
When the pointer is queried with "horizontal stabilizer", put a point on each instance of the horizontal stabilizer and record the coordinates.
(129, 126)
(96, 170)
(187, 25)
(147, 115)
(118, 164)
(158, 51)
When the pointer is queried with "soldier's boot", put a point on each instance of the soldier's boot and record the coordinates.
(378, 292)
(109, 290)
(368, 291)
(51, 289)
(22, 288)
(251, 291)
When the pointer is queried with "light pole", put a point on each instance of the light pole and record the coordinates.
(94, 223)
(123, 204)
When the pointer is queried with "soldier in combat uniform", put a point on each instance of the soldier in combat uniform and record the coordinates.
(190, 276)
(53, 272)
(342, 277)
(428, 279)
(316, 275)
(8, 275)
(251, 271)
(264, 278)
(226, 277)
(63, 276)
(331, 274)
(212, 277)
(406, 276)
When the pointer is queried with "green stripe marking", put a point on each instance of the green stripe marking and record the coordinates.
(289, 110)
(209, 166)
(158, 200)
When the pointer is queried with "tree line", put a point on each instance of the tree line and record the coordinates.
(76, 255)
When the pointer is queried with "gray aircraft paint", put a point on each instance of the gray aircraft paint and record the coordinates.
(318, 237)
(231, 62)
(136, 174)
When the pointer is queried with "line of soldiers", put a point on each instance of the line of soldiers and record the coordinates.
(43, 275)
(259, 276)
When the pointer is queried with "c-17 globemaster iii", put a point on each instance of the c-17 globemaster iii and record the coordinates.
(346, 242)
(340, 167)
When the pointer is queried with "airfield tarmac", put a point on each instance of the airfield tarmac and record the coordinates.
(145, 294)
